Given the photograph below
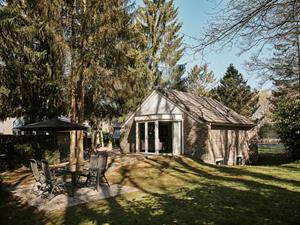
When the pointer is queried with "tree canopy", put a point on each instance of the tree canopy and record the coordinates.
(234, 92)
(31, 61)
(266, 26)
(157, 21)
(199, 80)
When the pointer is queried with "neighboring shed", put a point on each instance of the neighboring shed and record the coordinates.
(174, 122)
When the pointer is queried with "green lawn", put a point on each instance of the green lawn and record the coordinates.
(275, 155)
(184, 191)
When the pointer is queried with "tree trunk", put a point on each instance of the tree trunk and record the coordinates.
(92, 138)
(72, 158)
(80, 137)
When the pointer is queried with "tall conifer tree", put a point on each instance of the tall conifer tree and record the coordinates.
(234, 92)
(31, 60)
(157, 20)
(91, 44)
(199, 80)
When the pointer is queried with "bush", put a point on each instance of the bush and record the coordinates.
(19, 149)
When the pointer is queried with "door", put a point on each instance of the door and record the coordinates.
(151, 137)
(165, 136)
(141, 136)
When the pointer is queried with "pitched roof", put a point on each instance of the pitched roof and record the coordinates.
(205, 109)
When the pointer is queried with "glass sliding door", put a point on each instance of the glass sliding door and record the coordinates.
(141, 130)
(151, 137)
(165, 137)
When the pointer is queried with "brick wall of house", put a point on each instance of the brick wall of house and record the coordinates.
(195, 138)
(228, 143)
(253, 146)
(206, 143)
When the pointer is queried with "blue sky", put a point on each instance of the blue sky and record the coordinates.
(195, 14)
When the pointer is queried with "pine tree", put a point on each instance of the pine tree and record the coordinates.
(157, 21)
(285, 104)
(200, 80)
(31, 60)
(234, 92)
(177, 81)
(102, 45)
(70, 46)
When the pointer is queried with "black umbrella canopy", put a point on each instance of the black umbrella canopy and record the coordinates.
(52, 125)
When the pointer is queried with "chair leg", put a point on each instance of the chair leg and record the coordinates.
(106, 181)
(55, 190)
(87, 180)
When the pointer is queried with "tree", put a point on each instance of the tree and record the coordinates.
(262, 26)
(267, 130)
(266, 26)
(73, 46)
(200, 80)
(234, 92)
(177, 81)
(157, 21)
(251, 24)
(104, 59)
(31, 61)
(286, 114)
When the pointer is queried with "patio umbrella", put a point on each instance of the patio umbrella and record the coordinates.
(52, 125)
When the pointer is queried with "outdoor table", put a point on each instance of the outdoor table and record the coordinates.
(63, 168)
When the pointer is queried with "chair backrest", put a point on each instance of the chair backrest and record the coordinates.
(46, 171)
(102, 162)
(34, 169)
(93, 162)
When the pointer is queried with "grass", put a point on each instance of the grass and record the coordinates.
(273, 156)
(184, 191)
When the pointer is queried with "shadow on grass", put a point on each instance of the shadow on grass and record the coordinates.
(203, 205)
(273, 157)
(235, 174)
(13, 210)
(210, 195)
(216, 201)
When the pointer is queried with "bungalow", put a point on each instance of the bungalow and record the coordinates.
(177, 123)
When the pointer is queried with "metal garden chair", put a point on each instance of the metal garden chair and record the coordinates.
(53, 185)
(39, 177)
(102, 166)
(96, 170)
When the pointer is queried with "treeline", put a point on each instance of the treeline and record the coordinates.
(271, 31)
(95, 60)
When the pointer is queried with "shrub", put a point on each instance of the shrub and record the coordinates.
(19, 149)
